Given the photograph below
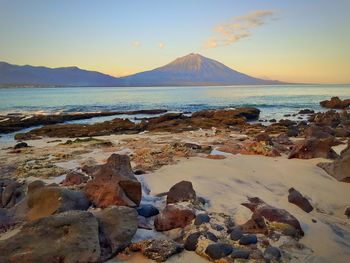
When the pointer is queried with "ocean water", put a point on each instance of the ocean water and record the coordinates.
(273, 101)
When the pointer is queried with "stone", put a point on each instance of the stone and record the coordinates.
(33, 186)
(173, 216)
(248, 239)
(74, 178)
(114, 183)
(20, 145)
(295, 197)
(240, 254)
(313, 148)
(147, 210)
(118, 224)
(347, 212)
(67, 237)
(49, 200)
(314, 131)
(157, 249)
(255, 225)
(218, 250)
(236, 234)
(335, 103)
(201, 219)
(191, 241)
(143, 223)
(182, 191)
(6, 221)
(272, 253)
(11, 193)
(216, 156)
(263, 137)
(306, 111)
(274, 215)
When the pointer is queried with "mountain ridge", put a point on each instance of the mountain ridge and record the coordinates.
(190, 70)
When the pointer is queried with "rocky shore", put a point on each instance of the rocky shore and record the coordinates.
(215, 186)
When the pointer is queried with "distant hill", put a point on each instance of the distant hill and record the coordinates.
(67, 76)
(190, 70)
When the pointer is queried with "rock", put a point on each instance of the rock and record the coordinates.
(274, 215)
(201, 219)
(33, 186)
(273, 120)
(335, 103)
(314, 131)
(347, 212)
(330, 118)
(49, 200)
(6, 221)
(114, 183)
(157, 249)
(263, 137)
(147, 210)
(11, 192)
(173, 216)
(240, 254)
(248, 239)
(341, 132)
(306, 111)
(272, 253)
(340, 168)
(295, 197)
(182, 191)
(313, 148)
(20, 145)
(143, 223)
(236, 234)
(191, 241)
(218, 250)
(74, 178)
(255, 225)
(67, 237)
(224, 115)
(216, 156)
(117, 227)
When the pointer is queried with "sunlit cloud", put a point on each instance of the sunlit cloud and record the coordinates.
(238, 28)
(136, 43)
(161, 45)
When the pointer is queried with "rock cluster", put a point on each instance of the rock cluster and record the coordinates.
(335, 103)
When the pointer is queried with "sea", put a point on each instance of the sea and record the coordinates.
(274, 101)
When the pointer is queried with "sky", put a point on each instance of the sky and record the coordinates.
(305, 41)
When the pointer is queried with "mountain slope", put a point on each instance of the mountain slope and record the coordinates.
(192, 69)
(67, 76)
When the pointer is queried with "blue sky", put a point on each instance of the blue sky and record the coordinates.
(291, 40)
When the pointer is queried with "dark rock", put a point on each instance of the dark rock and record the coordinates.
(117, 227)
(330, 118)
(147, 210)
(347, 212)
(66, 237)
(263, 137)
(192, 240)
(335, 103)
(313, 148)
(306, 111)
(316, 132)
(295, 197)
(20, 145)
(240, 254)
(273, 120)
(157, 249)
(272, 253)
(74, 178)
(33, 186)
(173, 216)
(248, 239)
(50, 200)
(236, 234)
(114, 183)
(201, 219)
(11, 193)
(182, 191)
(218, 250)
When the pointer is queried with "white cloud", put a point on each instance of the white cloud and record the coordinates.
(238, 28)
(136, 43)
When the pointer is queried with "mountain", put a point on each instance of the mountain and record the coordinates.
(67, 76)
(192, 70)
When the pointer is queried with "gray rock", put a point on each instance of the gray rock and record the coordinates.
(201, 219)
(192, 240)
(240, 254)
(236, 234)
(248, 239)
(147, 210)
(218, 250)
(272, 253)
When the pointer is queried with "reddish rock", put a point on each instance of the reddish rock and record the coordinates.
(173, 216)
(295, 197)
(313, 148)
(335, 103)
(182, 191)
(114, 183)
(273, 214)
(216, 156)
(74, 178)
(255, 225)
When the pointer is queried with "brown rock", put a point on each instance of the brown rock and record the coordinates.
(182, 191)
(216, 156)
(313, 148)
(114, 183)
(295, 197)
(255, 225)
(347, 212)
(173, 216)
(74, 178)
(335, 103)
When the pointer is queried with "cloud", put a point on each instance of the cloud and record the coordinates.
(136, 43)
(161, 45)
(238, 28)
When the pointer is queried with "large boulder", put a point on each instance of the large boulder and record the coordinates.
(114, 183)
(314, 148)
(295, 197)
(335, 103)
(67, 237)
(274, 215)
(340, 168)
(49, 200)
(118, 224)
(182, 191)
(173, 216)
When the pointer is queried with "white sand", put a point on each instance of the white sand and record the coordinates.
(227, 183)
